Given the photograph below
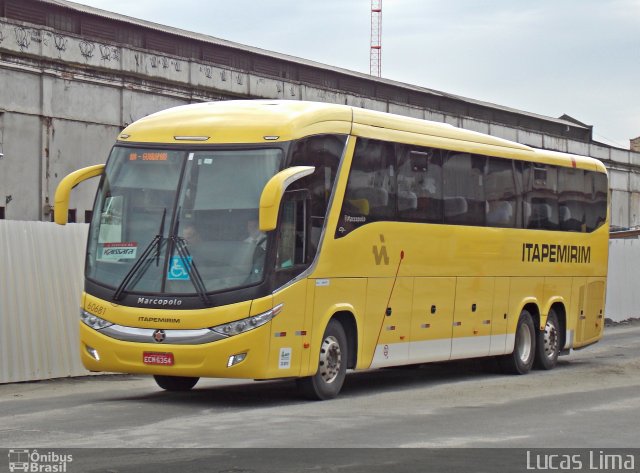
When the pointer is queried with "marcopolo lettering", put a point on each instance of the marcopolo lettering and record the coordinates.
(159, 301)
(550, 253)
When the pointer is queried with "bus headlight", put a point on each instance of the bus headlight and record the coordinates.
(94, 321)
(244, 325)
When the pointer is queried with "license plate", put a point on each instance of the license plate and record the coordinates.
(155, 358)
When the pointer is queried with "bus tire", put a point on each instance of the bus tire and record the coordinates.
(332, 366)
(175, 383)
(524, 349)
(548, 343)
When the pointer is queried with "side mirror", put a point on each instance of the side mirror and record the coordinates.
(63, 191)
(272, 195)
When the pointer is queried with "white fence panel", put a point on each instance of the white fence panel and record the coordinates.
(623, 283)
(41, 282)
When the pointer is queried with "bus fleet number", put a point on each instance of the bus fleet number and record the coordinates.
(96, 309)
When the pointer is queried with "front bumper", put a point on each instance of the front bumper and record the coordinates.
(201, 360)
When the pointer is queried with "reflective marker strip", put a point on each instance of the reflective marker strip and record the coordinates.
(280, 334)
(301, 333)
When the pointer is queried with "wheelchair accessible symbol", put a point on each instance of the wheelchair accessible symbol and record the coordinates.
(178, 271)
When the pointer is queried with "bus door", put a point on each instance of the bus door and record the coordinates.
(292, 328)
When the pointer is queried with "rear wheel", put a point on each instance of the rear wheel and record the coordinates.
(521, 360)
(332, 366)
(548, 343)
(175, 383)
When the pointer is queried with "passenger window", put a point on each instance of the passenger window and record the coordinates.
(540, 183)
(324, 153)
(500, 192)
(419, 184)
(573, 199)
(464, 195)
(597, 197)
(410, 183)
(371, 188)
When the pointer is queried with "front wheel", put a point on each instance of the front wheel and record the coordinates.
(521, 360)
(175, 383)
(548, 343)
(332, 366)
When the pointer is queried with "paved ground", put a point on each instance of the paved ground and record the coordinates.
(591, 400)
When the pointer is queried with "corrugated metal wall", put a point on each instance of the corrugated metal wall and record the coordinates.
(41, 270)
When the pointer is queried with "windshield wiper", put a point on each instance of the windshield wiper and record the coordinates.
(179, 243)
(155, 243)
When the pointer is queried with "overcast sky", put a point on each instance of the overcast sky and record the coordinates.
(579, 57)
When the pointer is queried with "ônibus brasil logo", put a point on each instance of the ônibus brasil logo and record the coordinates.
(34, 461)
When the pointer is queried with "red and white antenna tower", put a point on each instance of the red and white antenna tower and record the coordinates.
(375, 57)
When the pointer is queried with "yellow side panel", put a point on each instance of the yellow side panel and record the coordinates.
(289, 330)
(576, 313)
(388, 332)
(432, 319)
(591, 318)
(378, 292)
(499, 316)
(472, 317)
(331, 296)
(556, 290)
(522, 292)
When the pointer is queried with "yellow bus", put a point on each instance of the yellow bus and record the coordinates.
(292, 239)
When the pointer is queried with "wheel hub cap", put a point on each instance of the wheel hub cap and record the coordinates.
(524, 345)
(330, 359)
(550, 340)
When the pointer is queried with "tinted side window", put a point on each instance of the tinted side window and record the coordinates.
(573, 199)
(419, 184)
(540, 205)
(371, 188)
(597, 194)
(324, 153)
(501, 193)
(402, 182)
(463, 188)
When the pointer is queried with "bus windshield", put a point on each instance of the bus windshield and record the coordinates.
(180, 222)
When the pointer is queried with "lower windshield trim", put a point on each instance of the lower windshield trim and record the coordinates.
(168, 302)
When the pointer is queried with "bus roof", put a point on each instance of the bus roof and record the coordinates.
(260, 121)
